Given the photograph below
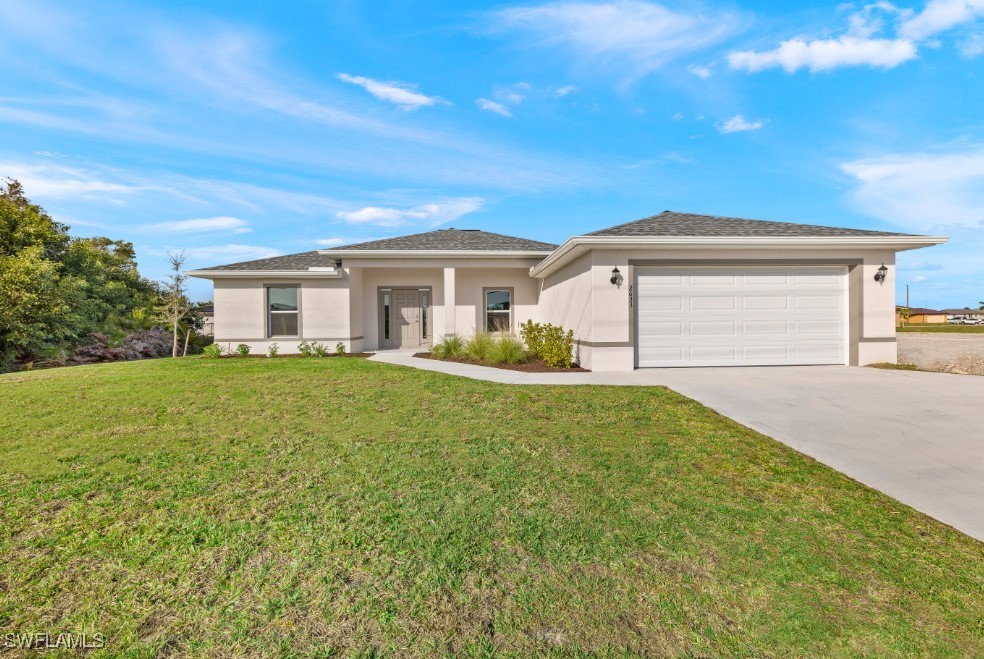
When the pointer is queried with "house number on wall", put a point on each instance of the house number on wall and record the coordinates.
(630, 296)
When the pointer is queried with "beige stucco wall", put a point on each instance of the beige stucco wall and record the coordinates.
(241, 313)
(565, 300)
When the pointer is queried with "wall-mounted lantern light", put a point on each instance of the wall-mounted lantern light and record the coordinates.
(616, 278)
(881, 274)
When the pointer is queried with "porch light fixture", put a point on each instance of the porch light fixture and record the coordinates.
(881, 274)
(616, 278)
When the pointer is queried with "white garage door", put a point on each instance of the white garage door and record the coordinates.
(741, 316)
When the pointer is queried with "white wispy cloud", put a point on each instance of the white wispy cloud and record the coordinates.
(493, 106)
(631, 37)
(426, 214)
(335, 242)
(562, 91)
(514, 94)
(60, 181)
(826, 54)
(922, 189)
(737, 124)
(201, 225)
(702, 72)
(939, 16)
(401, 94)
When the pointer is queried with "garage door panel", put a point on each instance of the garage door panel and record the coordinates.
(778, 301)
(713, 328)
(741, 316)
(713, 303)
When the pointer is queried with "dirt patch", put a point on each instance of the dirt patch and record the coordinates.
(532, 366)
(948, 353)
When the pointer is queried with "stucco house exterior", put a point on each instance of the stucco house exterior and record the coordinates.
(674, 289)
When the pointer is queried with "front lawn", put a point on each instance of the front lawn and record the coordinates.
(956, 329)
(317, 507)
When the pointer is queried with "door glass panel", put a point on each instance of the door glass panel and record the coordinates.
(424, 305)
(386, 316)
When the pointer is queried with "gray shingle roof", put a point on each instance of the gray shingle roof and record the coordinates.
(453, 239)
(301, 261)
(671, 223)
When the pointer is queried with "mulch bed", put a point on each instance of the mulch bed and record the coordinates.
(532, 366)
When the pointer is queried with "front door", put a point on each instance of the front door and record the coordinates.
(407, 318)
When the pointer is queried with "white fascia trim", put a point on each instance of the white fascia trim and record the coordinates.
(430, 254)
(577, 245)
(313, 273)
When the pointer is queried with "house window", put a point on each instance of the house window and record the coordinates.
(283, 312)
(498, 310)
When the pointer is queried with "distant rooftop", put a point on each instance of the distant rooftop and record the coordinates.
(452, 239)
(672, 223)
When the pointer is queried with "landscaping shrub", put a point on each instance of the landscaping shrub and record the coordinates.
(480, 346)
(339, 348)
(212, 351)
(549, 342)
(273, 350)
(506, 350)
(243, 350)
(319, 349)
(532, 335)
(451, 346)
(304, 348)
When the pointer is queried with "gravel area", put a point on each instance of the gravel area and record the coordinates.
(950, 353)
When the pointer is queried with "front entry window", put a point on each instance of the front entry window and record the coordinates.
(283, 311)
(498, 311)
(424, 306)
(386, 316)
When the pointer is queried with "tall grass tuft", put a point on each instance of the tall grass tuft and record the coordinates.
(506, 350)
(480, 346)
(451, 346)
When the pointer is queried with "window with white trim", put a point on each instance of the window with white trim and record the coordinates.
(498, 310)
(283, 314)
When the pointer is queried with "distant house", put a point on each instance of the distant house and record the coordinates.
(920, 316)
(959, 314)
(207, 313)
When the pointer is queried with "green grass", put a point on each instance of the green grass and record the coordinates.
(311, 507)
(956, 329)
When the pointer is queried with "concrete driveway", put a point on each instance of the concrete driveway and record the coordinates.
(918, 437)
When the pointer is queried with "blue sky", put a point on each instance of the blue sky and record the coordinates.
(239, 130)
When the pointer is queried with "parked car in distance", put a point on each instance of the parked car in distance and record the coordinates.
(970, 321)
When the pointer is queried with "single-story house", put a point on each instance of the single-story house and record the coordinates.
(675, 289)
(207, 313)
(958, 314)
(920, 316)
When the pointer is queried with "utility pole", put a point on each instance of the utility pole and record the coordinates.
(906, 296)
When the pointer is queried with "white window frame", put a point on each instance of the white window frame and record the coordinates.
(485, 305)
(270, 312)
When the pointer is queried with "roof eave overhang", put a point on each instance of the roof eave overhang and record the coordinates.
(314, 273)
(578, 245)
(433, 253)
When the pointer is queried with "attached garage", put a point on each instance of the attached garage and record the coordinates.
(741, 316)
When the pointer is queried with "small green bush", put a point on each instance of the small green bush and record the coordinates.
(549, 342)
(304, 348)
(273, 350)
(480, 346)
(212, 351)
(243, 350)
(451, 346)
(532, 335)
(339, 348)
(319, 349)
(506, 350)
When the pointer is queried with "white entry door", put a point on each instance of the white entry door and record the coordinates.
(748, 316)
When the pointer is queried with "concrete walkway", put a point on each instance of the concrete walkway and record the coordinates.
(918, 437)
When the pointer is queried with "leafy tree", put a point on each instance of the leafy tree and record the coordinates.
(905, 313)
(55, 290)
